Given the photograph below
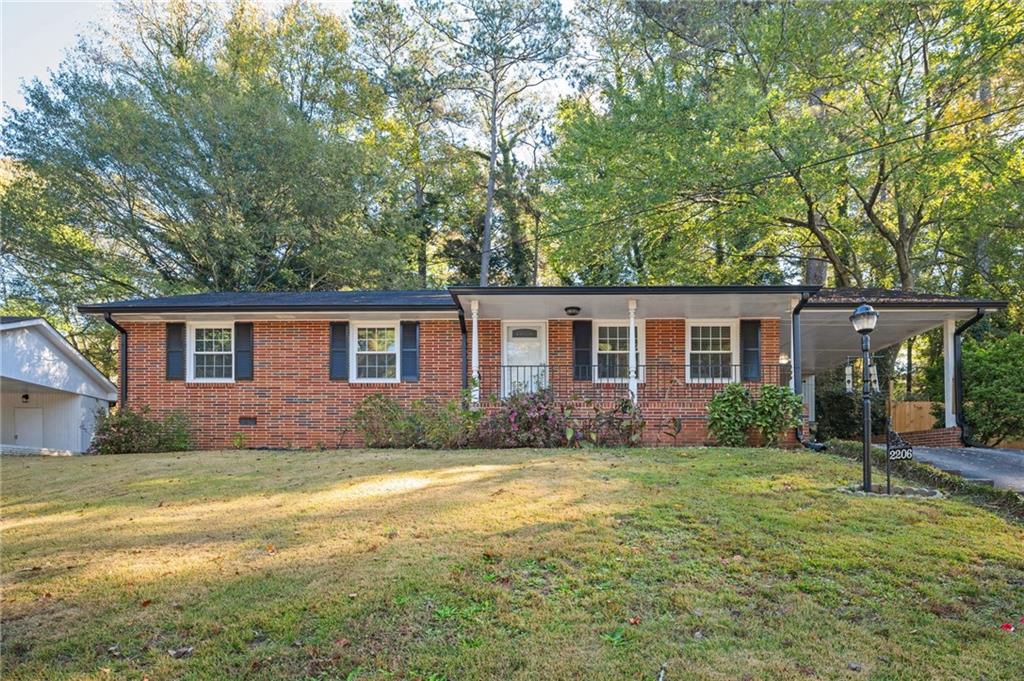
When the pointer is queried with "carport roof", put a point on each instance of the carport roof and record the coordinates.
(895, 298)
(827, 337)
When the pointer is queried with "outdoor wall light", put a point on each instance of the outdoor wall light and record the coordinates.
(24, 398)
(572, 310)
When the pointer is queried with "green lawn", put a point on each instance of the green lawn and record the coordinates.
(497, 564)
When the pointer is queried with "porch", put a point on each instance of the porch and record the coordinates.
(670, 349)
(604, 382)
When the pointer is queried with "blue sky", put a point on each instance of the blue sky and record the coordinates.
(35, 35)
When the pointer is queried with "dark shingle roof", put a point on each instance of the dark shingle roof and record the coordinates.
(13, 319)
(829, 297)
(425, 299)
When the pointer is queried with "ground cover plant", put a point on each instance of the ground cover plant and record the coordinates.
(594, 563)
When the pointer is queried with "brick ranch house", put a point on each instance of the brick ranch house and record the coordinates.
(288, 369)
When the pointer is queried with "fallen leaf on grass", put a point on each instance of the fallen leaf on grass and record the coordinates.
(341, 642)
(146, 603)
(634, 620)
(178, 653)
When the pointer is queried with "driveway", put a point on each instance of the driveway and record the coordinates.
(1004, 467)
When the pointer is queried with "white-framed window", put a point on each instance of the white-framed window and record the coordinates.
(211, 352)
(375, 354)
(713, 350)
(611, 350)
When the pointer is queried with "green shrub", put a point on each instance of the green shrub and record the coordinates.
(994, 388)
(125, 431)
(446, 425)
(383, 423)
(730, 415)
(427, 423)
(776, 409)
(838, 414)
(620, 424)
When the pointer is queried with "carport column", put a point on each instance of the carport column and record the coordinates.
(633, 393)
(809, 398)
(474, 311)
(948, 371)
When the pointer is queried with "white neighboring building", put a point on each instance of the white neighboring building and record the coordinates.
(50, 394)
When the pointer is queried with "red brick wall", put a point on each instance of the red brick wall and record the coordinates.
(296, 405)
(939, 437)
(291, 396)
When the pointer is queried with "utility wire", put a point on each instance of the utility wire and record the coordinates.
(668, 207)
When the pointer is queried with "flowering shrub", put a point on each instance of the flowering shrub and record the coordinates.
(125, 431)
(524, 420)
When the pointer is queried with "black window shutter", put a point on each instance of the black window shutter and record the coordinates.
(750, 349)
(176, 351)
(339, 351)
(243, 351)
(410, 347)
(582, 345)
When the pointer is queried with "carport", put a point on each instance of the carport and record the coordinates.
(50, 394)
(824, 338)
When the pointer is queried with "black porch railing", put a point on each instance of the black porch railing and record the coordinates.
(606, 381)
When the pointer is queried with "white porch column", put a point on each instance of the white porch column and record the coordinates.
(633, 384)
(474, 311)
(948, 366)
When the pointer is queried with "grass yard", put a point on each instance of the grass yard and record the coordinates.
(496, 564)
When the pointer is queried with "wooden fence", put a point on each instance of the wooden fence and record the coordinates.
(912, 416)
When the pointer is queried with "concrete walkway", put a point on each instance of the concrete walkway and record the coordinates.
(1003, 467)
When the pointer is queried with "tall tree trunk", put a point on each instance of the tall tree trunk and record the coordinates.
(536, 246)
(485, 253)
(424, 231)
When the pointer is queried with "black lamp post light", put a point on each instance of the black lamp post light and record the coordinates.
(864, 319)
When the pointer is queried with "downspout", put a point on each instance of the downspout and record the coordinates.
(464, 341)
(958, 377)
(464, 349)
(798, 387)
(123, 358)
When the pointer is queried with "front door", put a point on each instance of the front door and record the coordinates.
(524, 366)
(28, 427)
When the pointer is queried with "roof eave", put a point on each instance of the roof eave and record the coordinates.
(626, 290)
(913, 305)
(150, 309)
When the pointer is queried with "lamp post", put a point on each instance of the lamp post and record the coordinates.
(864, 319)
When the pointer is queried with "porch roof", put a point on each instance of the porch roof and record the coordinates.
(612, 302)
(828, 339)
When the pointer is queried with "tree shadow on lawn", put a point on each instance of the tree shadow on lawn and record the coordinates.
(519, 566)
(319, 537)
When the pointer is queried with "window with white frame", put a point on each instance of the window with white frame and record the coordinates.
(712, 351)
(376, 353)
(611, 351)
(212, 352)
